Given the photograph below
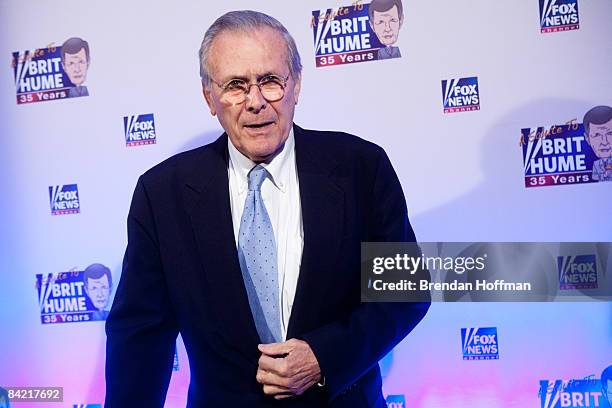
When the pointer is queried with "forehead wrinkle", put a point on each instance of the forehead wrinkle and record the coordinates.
(240, 40)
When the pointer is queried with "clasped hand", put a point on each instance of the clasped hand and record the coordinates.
(287, 369)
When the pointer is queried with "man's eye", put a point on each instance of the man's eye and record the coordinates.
(235, 85)
(271, 80)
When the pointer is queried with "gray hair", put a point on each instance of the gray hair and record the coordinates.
(247, 20)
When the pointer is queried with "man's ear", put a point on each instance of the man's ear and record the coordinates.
(297, 87)
(209, 101)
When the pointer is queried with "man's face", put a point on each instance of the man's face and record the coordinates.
(75, 66)
(256, 127)
(600, 139)
(386, 25)
(98, 291)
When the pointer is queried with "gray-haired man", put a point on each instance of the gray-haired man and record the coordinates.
(250, 248)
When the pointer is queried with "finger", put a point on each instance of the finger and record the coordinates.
(268, 363)
(269, 378)
(283, 396)
(275, 349)
(276, 390)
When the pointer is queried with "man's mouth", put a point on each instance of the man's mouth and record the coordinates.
(259, 125)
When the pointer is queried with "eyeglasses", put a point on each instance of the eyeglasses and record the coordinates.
(235, 91)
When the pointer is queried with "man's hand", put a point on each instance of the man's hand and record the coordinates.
(287, 369)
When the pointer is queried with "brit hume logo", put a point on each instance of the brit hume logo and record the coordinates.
(556, 155)
(572, 393)
(460, 94)
(558, 15)
(64, 199)
(577, 272)
(51, 73)
(480, 343)
(396, 401)
(139, 129)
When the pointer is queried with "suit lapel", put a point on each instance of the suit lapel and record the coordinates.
(208, 203)
(322, 202)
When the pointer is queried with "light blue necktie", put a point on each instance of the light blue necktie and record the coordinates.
(257, 255)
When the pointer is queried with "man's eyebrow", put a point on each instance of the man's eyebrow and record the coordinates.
(269, 73)
(247, 79)
(232, 77)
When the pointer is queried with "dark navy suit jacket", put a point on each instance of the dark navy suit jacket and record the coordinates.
(181, 274)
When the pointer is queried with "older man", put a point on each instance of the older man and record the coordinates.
(250, 248)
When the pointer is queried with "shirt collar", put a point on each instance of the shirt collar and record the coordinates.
(278, 167)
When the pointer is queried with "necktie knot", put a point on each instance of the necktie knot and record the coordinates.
(257, 175)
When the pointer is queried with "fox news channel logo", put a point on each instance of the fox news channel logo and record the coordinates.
(558, 15)
(75, 296)
(480, 343)
(574, 393)
(139, 130)
(577, 272)
(396, 401)
(51, 73)
(460, 94)
(352, 34)
(556, 155)
(64, 199)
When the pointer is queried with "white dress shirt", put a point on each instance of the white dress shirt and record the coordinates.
(281, 196)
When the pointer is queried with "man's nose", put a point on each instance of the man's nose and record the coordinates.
(254, 99)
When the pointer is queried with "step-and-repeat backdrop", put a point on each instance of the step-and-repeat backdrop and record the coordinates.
(496, 116)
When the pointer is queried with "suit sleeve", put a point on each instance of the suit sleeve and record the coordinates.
(347, 349)
(141, 328)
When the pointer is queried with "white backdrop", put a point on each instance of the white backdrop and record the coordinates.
(462, 173)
